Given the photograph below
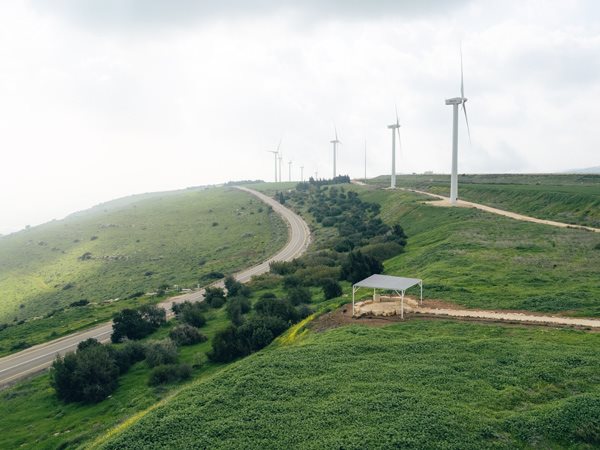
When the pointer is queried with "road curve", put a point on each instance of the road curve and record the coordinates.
(40, 357)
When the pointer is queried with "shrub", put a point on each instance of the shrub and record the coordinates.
(89, 376)
(128, 355)
(235, 288)
(186, 335)
(236, 308)
(214, 297)
(359, 266)
(78, 303)
(382, 251)
(190, 313)
(169, 373)
(137, 323)
(281, 308)
(161, 352)
(299, 295)
(331, 289)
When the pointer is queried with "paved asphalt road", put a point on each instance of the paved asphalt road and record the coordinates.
(40, 357)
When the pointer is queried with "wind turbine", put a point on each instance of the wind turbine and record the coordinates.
(280, 159)
(394, 127)
(335, 142)
(302, 174)
(289, 170)
(455, 102)
(275, 153)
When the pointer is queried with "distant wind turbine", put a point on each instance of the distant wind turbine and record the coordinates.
(289, 170)
(394, 127)
(275, 153)
(302, 174)
(280, 159)
(455, 102)
(335, 142)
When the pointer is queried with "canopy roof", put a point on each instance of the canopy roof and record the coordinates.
(388, 282)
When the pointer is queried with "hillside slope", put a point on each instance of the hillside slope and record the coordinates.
(127, 247)
(482, 260)
(571, 199)
(412, 385)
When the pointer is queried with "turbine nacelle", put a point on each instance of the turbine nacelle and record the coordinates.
(395, 125)
(456, 101)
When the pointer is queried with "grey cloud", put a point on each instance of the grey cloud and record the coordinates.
(114, 14)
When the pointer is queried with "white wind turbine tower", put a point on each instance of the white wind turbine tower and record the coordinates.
(275, 153)
(280, 159)
(335, 142)
(394, 127)
(302, 174)
(289, 170)
(455, 102)
(365, 160)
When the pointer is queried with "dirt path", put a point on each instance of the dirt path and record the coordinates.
(439, 309)
(445, 201)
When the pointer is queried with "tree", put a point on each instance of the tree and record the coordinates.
(281, 308)
(137, 323)
(359, 266)
(214, 297)
(331, 288)
(89, 376)
(235, 288)
(190, 313)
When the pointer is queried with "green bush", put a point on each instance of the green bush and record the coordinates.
(299, 295)
(127, 355)
(331, 289)
(89, 375)
(214, 297)
(191, 313)
(359, 266)
(161, 352)
(281, 308)
(137, 323)
(169, 373)
(186, 335)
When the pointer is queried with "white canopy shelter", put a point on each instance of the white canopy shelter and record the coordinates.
(396, 284)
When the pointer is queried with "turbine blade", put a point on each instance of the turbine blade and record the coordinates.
(467, 121)
(335, 128)
(279, 145)
(397, 121)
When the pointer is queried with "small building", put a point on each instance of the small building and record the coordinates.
(397, 285)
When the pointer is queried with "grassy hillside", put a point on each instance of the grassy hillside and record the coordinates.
(565, 198)
(420, 384)
(487, 261)
(123, 248)
(31, 416)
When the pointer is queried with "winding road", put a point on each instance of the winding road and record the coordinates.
(35, 359)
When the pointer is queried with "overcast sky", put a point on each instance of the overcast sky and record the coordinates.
(104, 98)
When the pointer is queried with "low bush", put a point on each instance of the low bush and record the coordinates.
(214, 297)
(191, 313)
(186, 335)
(127, 355)
(89, 375)
(169, 373)
(161, 352)
(299, 295)
(137, 323)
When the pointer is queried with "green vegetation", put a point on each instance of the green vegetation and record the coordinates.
(482, 260)
(564, 198)
(37, 419)
(420, 384)
(71, 273)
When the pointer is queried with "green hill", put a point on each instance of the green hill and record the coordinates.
(124, 248)
(417, 384)
(565, 198)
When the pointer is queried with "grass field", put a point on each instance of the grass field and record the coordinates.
(419, 384)
(124, 247)
(564, 198)
(482, 260)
